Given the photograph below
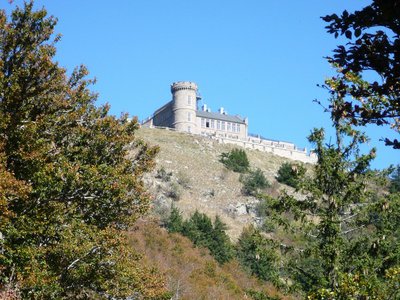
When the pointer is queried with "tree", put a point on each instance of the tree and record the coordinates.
(254, 182)
(346, 232)
(175, 220)
(203, 233)
(373, 52)
(290, 174)
(220, 247)
(395, 180)
(67, 187)
(256, 253)
(236, 160)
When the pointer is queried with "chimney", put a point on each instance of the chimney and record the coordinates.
(221, 110)
(204, 107)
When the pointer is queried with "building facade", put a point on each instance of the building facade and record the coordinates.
(182, 114)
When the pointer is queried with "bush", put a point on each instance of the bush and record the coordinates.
(183, 180)
(254, 182)
(174, 191)
(163, 174)
(290, 174)
(236, 160)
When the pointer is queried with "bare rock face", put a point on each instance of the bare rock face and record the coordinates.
(190, 176)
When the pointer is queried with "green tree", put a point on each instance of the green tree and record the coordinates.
(236, 160)
(257, 254)
(254, 182)
(395, 180)
(175, 220)
(290, 174)
(203, 233)
(372, 48)
(198, 228)
(67, 187)
(344, 227)
(221, 247)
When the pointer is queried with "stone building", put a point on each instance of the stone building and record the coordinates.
(182, 114)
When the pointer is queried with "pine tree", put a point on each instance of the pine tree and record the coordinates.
(347, 235)
(257, 254)
(175, 220)
(220, 246)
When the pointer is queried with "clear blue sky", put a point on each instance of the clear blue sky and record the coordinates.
(258, 58)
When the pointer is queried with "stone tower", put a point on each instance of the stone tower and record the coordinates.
(184, 96)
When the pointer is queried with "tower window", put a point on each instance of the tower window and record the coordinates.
(189, 116)
(189, 100)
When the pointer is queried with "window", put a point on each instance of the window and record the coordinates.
(218, 125)
(212, 124)
(228, 127)
(189, 116)
(208, 123)
(234, 127)
(189, 129)
(223, 126)
(238, 127)
(189, 100)
(202, 122)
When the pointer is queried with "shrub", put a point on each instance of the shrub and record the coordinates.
(183, 180)
(236, 160)
(254, 182)
(174, 191)
(163, 174)
(290, 174)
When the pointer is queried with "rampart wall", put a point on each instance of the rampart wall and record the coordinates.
(283, 149)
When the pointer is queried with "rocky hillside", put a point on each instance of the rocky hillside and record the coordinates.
(190, 175)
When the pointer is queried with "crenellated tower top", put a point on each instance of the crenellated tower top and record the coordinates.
(183, 85)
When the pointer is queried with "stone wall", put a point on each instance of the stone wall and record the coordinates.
(282, 149)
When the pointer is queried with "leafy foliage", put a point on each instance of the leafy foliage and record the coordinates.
(236, 160)
(373, 45)
(395, 180)
(67, 187)
(290, 174)
(254, 182)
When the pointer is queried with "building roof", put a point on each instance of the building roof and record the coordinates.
(218, 116)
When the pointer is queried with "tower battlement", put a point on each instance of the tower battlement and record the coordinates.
(183, 85)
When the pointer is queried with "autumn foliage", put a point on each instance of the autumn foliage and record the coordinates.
(67, 186)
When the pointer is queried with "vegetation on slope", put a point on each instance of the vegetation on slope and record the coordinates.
(67, 187)
(191, 272)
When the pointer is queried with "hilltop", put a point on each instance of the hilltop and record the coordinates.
(189, 174)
